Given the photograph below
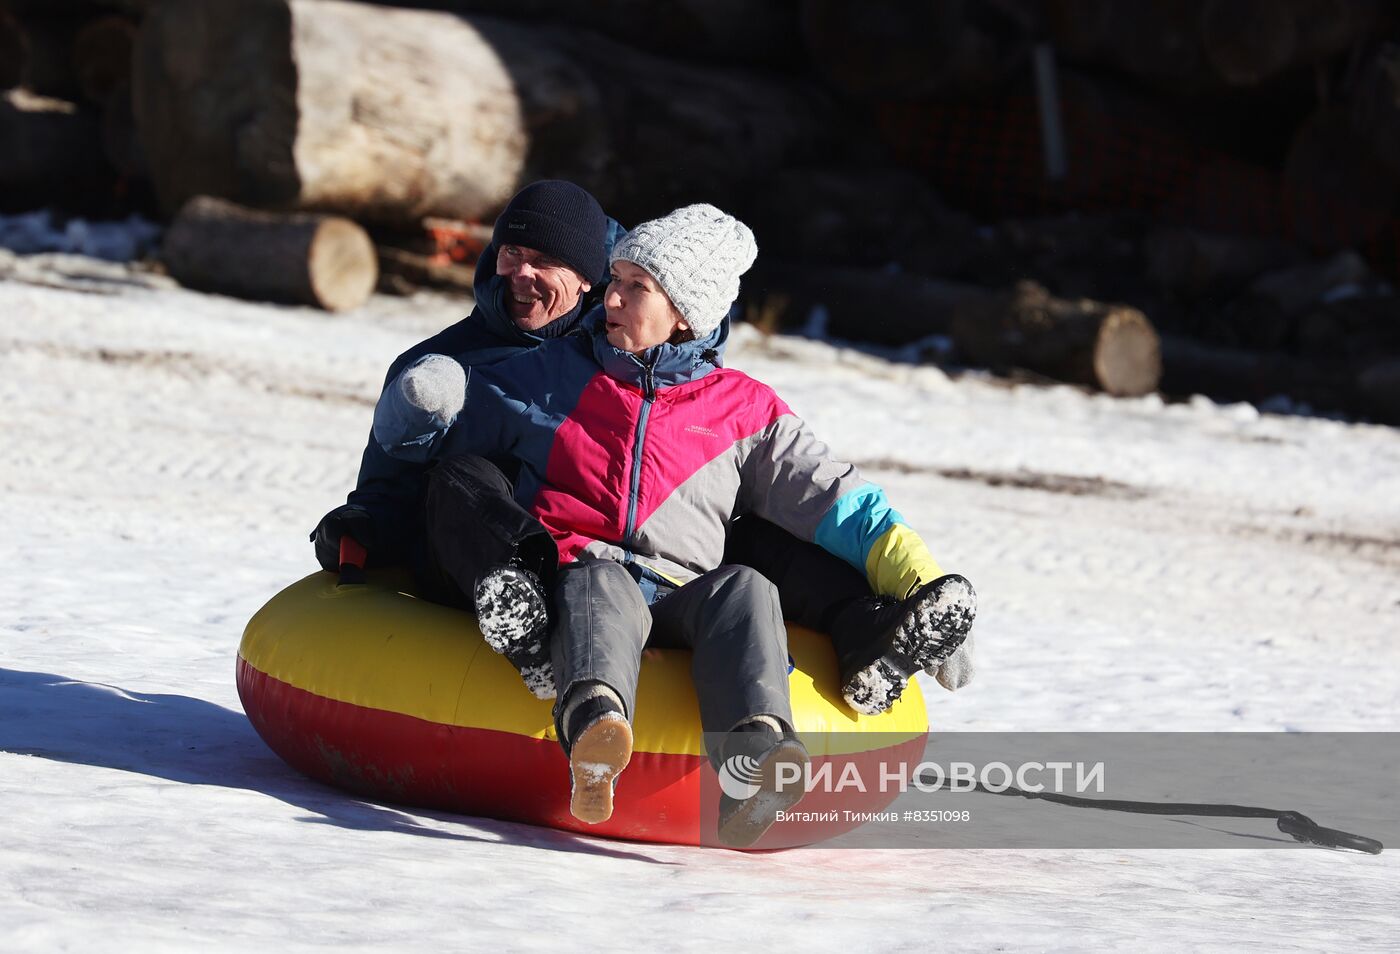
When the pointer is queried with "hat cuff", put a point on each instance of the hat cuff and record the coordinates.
(552, 237)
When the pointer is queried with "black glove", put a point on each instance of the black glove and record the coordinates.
(349, 519)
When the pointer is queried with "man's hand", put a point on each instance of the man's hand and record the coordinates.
(438, 385)
(350, 520)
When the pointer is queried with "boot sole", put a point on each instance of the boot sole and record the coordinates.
(947, 607)
(597, 757)
(513, 619)
(757, 813)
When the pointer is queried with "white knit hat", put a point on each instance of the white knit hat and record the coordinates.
(697, 255)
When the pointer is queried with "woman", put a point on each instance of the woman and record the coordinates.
(637, 450)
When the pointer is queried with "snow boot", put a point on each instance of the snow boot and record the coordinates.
(755, 777)
(513, 616)
(599, 745)
(912, 634)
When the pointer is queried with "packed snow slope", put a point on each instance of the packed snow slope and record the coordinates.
(1140, 566)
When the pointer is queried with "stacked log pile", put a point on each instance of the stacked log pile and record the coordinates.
(1201, 193)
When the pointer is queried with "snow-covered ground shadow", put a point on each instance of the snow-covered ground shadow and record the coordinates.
(190, 741)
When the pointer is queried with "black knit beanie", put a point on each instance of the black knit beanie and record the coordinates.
(559, 219)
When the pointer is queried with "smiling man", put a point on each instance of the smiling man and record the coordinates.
(548, 249)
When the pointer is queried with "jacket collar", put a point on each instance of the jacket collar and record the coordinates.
(669, 364)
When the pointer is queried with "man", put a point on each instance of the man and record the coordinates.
(471, 545)
(547, 251)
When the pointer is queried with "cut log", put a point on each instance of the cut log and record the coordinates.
(1229, 374)
(391, 115)
(382, 114)
(670, 133)
(1191, 264)
(751, 32)
(102, 53)
(442, 254)
(50, 153)
(1249, 40)
(909, 50)
(48, 61)
(1294, 290)
(120, 143)
(308, 259)
(1199, 46)
(857, 304)
(1156, 41)
(1110, 347)
(14, 51)
(1337, 189)
(404, 273)
(79, 7)
(1376, 106)
(1379, 385)
(847, 216)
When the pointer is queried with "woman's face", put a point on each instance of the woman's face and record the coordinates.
(640, 316)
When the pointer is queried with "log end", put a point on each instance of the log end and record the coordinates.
(1127, 354)
(343, 266)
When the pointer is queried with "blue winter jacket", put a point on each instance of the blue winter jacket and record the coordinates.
(391, 489)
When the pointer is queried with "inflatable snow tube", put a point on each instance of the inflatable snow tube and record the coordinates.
(391, 697)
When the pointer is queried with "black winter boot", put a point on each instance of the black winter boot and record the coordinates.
(514, 619)
(904, 636)
(758, 762)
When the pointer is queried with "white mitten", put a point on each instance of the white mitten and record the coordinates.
(437, 385)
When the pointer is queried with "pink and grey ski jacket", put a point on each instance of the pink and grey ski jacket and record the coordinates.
(646, 460)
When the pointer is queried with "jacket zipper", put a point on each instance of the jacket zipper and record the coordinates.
(639, 444)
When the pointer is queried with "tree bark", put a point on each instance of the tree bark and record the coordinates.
(391, 115)
(307, 259)
(1228, 374)
(1110, 347)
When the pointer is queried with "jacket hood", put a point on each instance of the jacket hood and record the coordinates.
(669, 364)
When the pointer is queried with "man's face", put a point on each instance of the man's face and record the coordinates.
(540, 288)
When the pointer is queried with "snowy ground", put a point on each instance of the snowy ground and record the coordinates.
(1140, 567)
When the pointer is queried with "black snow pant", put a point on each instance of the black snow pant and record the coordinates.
(471, 523)
(729, 618)
(818, 590)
